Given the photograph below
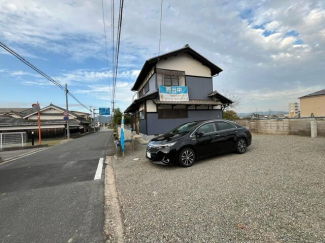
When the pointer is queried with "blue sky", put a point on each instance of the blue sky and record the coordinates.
(272, 52)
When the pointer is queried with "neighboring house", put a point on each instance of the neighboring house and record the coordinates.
(313, 105)
(52, 123)
(16, 112)
(175, 88)
(294, 109)
(81, 114)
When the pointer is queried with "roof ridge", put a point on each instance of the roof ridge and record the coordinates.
(317, 93)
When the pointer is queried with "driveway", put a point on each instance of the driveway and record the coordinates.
(273, 193)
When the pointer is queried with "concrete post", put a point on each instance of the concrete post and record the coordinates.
(313, 129)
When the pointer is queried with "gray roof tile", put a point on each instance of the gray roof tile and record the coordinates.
(321, 92)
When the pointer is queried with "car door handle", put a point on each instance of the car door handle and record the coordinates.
(217, 135)
(236, 131)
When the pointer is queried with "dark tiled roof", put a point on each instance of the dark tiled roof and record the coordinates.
(81, 118)
(7, 121)
(135, 103)
(150, 63)
(223, 99)
(190, 102)
(321, 92)
(19, 111)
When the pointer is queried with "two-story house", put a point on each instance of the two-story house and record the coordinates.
(175, 88)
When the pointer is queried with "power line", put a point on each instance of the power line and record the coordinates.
(40, 72)
(72, 96)
(105, 38)
(30, 65)
(113, 52)
(118, 47)
(160, 25)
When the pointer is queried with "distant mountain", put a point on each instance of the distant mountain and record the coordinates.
(264, 113)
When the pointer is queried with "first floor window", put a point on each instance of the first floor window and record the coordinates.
(172, 113)
(142, 115)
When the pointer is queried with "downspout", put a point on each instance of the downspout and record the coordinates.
(145, 116)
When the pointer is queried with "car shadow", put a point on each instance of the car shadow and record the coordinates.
(208, 159)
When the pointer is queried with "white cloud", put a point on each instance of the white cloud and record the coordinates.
(272, 25)
(217, 29)
(78, 77)
(274, 100)
(103, 92)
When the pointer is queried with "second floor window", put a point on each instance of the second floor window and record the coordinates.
(144, 90)
(170, 77)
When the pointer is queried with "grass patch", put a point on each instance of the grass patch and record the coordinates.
(48, 142)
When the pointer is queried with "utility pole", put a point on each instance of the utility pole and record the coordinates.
(37, 108)
(67, 109)
(93, 117)
(94, 124)
(39, 124)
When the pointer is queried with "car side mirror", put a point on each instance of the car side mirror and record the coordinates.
(199, 134)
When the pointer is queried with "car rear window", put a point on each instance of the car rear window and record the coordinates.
(224, 126)
(208, 128)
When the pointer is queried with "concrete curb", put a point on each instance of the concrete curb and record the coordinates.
(113, 224)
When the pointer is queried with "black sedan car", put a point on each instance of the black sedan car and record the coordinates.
(195, 140)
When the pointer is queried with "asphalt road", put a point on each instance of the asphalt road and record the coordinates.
(51, 196)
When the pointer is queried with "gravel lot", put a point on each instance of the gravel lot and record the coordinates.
(273, 193)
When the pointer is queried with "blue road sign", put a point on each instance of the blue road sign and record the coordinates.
(66, 118)
(104, 111)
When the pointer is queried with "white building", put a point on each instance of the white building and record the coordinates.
(294, 109)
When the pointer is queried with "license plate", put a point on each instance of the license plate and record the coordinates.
(148, 155)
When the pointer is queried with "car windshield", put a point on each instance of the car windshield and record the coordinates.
(185, 128)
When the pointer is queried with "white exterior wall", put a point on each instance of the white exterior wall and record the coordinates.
(45, 117)
(141, 107)
(184, 62)
(30, 127)
(151, 107)
(50, 111)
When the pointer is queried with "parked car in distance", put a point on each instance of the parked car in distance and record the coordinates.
(198, 139)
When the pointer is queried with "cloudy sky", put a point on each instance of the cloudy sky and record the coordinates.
(271, 51)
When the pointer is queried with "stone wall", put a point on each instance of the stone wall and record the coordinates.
(285, 126)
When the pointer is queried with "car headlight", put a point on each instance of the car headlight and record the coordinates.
(165, 148)
(167, 145)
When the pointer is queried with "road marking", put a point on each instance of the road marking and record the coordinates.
(22, 156)
(98, 174)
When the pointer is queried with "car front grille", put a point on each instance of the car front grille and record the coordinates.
(152, 149)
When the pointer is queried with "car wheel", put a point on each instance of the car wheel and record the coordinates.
(186, 157)
(241, 146)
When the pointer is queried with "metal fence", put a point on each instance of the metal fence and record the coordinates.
(13, 139)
